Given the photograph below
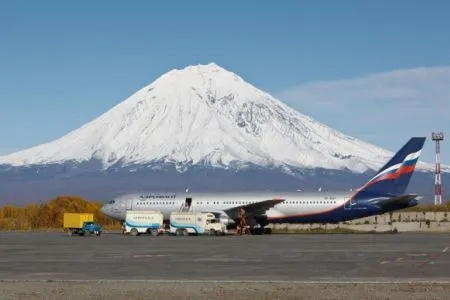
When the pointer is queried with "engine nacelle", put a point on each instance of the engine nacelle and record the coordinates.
(224, 219)
(221, 216)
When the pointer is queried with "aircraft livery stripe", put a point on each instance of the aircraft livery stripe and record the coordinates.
(403, 170)
(394, 168)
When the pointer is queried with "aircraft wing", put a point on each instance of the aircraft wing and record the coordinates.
(254, 209)
(394, 201)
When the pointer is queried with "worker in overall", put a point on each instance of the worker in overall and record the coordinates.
(242, 227)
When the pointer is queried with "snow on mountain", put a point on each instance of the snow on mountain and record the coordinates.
(205, 114)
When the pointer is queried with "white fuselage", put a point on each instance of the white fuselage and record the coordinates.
(294, 204)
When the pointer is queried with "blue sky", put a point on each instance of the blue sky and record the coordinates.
(64, 63)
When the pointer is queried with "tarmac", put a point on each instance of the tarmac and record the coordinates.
(414, 260)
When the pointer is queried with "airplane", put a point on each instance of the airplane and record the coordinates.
(385, 192)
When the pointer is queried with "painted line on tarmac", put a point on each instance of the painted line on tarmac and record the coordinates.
(390, 281)
(417, 254)
(432, 259)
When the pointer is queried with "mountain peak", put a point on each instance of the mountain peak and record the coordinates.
(204, 114)
(199, 69)
(197, 75)
(212, 66)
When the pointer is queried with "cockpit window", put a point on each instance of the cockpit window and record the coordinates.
(111, 202)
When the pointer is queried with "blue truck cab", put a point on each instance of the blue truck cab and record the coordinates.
(91, 228)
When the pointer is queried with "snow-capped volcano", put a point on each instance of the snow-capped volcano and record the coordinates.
(205, 114)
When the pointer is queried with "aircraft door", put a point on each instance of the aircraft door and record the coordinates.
(188, 203)
(129, 204)
(347, 203)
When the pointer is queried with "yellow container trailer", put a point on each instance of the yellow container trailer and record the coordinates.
(81, 224)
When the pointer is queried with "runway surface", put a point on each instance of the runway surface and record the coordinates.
(333, 258)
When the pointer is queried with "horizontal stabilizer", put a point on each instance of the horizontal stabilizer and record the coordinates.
(394, 202)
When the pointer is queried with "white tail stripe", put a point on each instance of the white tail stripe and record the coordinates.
(412, 156)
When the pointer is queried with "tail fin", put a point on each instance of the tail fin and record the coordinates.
(393, 178)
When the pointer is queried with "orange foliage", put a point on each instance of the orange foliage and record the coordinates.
(50, 215)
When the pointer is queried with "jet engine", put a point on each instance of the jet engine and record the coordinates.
(225, 219)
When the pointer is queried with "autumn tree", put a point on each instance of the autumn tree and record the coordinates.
(50, 214)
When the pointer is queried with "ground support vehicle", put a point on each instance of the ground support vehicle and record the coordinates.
(81, 224)
(147, 222)
(196, 223)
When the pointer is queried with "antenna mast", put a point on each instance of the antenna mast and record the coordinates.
(437, 137)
